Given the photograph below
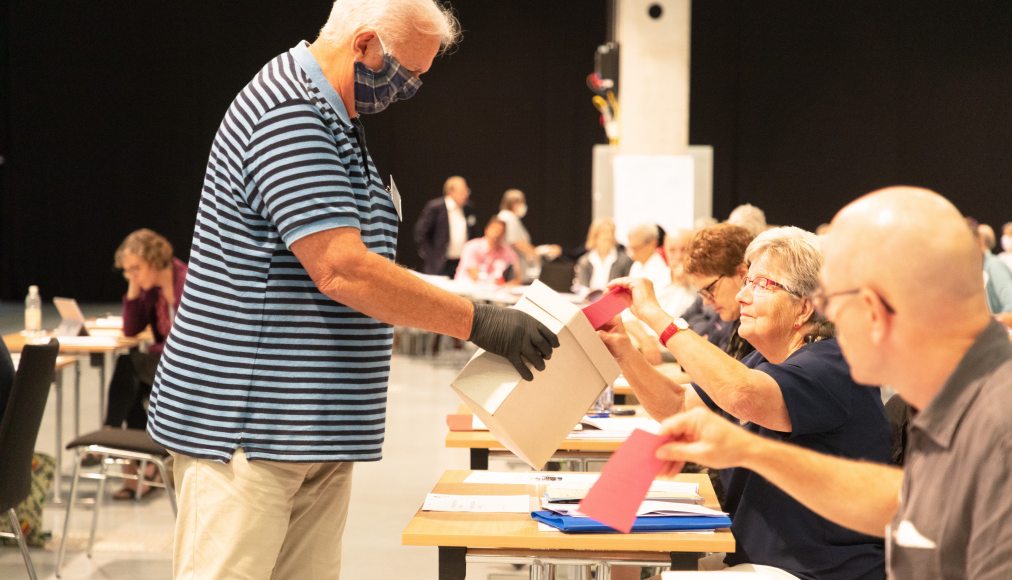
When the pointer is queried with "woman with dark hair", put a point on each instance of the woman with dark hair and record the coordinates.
(714, 263)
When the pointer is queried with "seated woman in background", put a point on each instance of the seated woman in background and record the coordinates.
(676, 298)
(604, 260)
(154, 286)
(795, 387)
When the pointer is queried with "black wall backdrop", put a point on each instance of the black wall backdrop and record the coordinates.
(108, 109)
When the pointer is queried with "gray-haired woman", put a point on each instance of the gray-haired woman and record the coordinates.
(796, 387)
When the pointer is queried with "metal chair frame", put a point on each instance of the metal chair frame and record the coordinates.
(16, 526)
(110, 456)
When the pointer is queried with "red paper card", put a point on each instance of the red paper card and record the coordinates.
(625, 480)
(609, 306)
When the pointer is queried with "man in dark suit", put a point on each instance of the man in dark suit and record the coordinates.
(444, 226)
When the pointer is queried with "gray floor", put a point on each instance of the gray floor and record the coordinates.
(135, 539)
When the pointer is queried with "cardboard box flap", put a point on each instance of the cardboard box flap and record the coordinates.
(547, 307)
(486, 380)
(544, 304)
(531, 418)
(597, 352)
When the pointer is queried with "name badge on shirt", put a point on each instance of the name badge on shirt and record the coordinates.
(395, 197)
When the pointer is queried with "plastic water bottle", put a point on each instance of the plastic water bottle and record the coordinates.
(604, 401)
(33, 311)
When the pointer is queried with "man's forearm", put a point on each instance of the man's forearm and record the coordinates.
(385, 291)
(859, 495)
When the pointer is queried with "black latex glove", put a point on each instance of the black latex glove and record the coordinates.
(514, 335)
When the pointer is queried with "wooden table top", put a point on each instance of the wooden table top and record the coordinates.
(485, 439)
(15, 341)
(520, 531)
(62, 361)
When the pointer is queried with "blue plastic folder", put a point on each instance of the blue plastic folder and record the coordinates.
(575, 525)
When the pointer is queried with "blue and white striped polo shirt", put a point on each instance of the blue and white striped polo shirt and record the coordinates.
(258, 358)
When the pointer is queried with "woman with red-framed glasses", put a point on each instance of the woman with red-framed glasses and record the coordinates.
(795, 387)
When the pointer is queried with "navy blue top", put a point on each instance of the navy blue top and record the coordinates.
(830, 413)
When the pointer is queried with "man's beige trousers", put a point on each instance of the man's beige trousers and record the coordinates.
(259, 519)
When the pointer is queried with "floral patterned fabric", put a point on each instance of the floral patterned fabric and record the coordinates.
(30, 511)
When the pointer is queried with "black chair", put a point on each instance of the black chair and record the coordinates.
(113, 445)
(18, 431)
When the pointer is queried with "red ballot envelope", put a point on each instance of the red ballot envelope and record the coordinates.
(609, 306)
(625, 480)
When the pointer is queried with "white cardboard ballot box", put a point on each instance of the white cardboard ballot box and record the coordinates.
(531, 418)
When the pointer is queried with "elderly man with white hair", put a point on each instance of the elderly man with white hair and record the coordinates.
(273, 381)
(902, 284)
(795, 387)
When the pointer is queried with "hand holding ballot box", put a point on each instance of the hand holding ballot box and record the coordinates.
(531, 418)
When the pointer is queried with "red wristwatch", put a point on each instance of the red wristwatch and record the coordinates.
(672, 329)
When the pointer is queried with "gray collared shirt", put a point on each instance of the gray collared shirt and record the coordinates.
(956, 501)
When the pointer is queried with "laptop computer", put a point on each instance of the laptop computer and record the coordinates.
(557, 275)
(71, 318)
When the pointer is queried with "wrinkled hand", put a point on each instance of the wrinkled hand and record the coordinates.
(514, 335)
(644, 300)
(702, 437)
(615, 337)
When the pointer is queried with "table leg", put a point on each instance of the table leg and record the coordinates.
(107, 362)
(77, 399)
(479, 459)
(58, 475)
(452, 563)
(685, 560)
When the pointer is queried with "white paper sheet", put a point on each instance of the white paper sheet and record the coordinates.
(532, 478)
(513, 504)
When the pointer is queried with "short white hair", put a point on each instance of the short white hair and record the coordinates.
(749, 217)
(645, 233)
(795, 254)
(396, 21)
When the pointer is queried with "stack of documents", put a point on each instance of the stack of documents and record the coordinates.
(106, 322)
(646, 523)
(443, 502)
(649, 508)
(652, 516)
(667, 491)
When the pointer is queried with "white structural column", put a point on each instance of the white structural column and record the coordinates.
(653, 175)
(654, 75)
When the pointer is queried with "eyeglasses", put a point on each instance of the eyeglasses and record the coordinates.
(764, 283)
(820, 299)
(707, 291)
